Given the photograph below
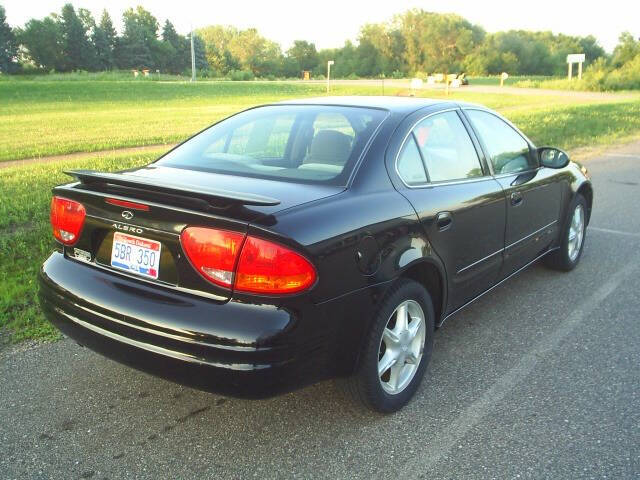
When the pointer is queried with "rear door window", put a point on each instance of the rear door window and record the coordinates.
(410, 166)
(446, 148)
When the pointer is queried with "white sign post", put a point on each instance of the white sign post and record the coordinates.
(329, 63)
(575, 58)
(503, 77)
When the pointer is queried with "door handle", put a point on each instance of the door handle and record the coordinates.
(516, 199)
(443, 221)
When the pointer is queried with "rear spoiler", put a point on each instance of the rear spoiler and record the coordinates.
(91, 177)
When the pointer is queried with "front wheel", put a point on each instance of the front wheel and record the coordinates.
(397, 349)
(573, 234)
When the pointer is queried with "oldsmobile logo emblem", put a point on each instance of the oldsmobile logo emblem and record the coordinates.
(127, 214)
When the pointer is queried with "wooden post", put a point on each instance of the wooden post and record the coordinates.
(579, 70)
(570, 69)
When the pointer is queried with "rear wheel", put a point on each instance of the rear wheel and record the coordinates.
(397, 349)
(573, 235)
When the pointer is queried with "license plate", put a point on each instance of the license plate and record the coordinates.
(135, 254)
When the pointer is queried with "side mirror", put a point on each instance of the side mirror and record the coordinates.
(552, 157)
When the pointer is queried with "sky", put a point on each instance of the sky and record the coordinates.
(328, 23)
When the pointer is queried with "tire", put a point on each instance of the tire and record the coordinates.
(568, 255)
(369, 389)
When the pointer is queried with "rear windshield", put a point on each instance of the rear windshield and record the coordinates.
(301, 143)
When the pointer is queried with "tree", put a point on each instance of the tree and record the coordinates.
(381, 47)
(371, 61)
(178, 57)
(139, 39)
(253, 51)
(304, 54)
(216, 39)
(626, 50)
(437, 42)
(104, 42)
(43, 42)
(8, 45)
(227, 48)
(346, 61)
(76, 48)
(591, 48)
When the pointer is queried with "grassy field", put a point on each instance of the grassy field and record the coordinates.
(26, 240)
(40, 118)
(512, 80)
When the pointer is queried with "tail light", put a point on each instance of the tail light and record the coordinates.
(266, 267)
(248, 264)
(67, 220)
(212, 252)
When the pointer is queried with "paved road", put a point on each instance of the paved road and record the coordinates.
(540, 379)
(406, 84)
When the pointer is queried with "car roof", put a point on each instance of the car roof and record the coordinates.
(396, 104)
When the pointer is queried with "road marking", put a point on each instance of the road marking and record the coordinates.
(474, 413)
(616, 232)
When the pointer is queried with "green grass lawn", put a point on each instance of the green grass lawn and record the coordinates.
(26, 239)
(41, 118)
(44, 118)
(513, 79)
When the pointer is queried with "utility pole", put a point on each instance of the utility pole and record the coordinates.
(193, 59)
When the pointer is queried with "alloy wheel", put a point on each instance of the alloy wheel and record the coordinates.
(576, 233)
(401, 347)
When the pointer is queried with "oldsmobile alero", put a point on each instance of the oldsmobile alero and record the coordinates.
(309, 239)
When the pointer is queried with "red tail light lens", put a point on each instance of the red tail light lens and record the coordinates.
(266, 267)
(67, 220)
(250, 265)
(212, 252)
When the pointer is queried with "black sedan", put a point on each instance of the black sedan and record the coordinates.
(306, 240)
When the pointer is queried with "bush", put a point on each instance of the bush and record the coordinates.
(626, 77)
(598, 77)
(241, 75)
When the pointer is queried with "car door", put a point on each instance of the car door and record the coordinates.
(533, 195)
(460, 205)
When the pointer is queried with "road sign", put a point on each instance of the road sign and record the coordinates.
(575, 58)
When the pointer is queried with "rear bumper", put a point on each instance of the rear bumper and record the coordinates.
(238, 349)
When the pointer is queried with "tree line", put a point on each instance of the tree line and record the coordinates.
(415, 43)
(74, 40)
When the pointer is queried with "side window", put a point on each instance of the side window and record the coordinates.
(446, 148)
(410, 167)
(508, 151)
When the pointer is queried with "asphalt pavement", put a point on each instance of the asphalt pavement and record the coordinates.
(538, 379)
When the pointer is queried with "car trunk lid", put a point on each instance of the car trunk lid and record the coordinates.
(148, 208)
